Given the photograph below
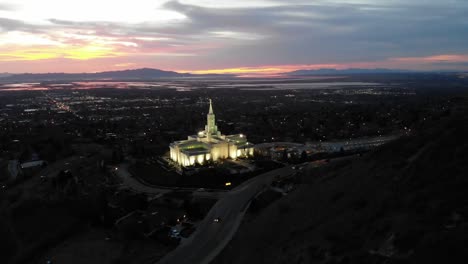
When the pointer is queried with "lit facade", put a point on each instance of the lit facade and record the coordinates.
(210, 144)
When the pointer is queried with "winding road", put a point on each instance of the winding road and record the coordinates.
(211, 237)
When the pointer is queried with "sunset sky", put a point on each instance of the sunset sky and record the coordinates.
(241, 36)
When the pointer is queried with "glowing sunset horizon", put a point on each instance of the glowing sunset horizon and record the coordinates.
(260, 37)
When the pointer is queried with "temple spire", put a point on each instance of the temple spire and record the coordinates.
(211, 128)
(211, 108)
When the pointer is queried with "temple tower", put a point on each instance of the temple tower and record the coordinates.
(211, 128)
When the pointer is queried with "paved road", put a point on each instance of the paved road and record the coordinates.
(211, 237)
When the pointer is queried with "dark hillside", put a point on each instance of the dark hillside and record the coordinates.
(406, 202)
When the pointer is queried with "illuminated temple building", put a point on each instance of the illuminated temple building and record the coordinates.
(210, 144)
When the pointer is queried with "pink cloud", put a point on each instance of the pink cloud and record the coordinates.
(433, 59)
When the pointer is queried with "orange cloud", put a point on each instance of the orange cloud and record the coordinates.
(270, 70)
(125, 64)
(50, 52)
(434, 59)
(392, 63)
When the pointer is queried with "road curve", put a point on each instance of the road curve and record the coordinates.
(211, 237)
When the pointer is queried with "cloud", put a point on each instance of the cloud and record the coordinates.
(125, 64)
(219, 34)
(7, 24)
(435, 58)
(7, 7)
(326, 31)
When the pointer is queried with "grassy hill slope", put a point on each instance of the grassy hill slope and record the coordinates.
(406, 202)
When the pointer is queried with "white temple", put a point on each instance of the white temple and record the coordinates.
(210, 144)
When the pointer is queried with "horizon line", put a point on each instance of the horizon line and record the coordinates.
(246, 70)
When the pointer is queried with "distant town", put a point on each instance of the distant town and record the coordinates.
(140, 170)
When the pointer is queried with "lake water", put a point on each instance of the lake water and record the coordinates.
(188, 85)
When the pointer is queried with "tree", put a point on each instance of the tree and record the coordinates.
(285, 155)
(303, 156)
(8, 241)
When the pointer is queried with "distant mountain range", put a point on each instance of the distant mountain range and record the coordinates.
(146, 74)
(136, 74)
(344, 71)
